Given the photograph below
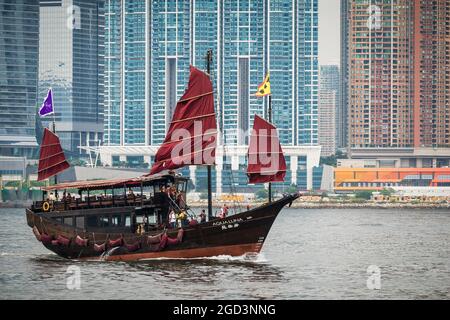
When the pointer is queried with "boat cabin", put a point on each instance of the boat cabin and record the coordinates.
(117, 206)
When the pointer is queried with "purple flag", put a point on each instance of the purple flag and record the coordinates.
(47, 105)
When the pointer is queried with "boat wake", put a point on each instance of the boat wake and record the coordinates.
(250, 257)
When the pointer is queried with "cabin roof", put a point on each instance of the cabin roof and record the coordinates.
(115, 183)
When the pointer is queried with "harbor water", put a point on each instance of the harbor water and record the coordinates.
(309, 254)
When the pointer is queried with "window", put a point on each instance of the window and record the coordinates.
(127, 220)
(68, 221)
(79, 222)
(91, 221)
(104, 222)
(116, 220)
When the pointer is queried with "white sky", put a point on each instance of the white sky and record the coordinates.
(329, 31)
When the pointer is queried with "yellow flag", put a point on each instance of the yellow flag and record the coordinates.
(264, 88)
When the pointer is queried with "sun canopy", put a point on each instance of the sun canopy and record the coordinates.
(113, 183)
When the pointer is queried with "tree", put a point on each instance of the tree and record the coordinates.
(262, 194)
(365, 195)
(332, 160)
(387, 192)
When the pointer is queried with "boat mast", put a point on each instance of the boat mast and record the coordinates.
(269, 114)
(54, 131)
(209, 55)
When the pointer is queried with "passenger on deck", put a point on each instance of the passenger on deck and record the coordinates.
(172, 219)
(224, 211)
(192, 221)
(203, 216)
(51, 197)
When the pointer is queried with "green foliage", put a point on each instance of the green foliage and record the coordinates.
(262, 194)
(76, 162)
(364, 195)
(332, 160)
(292, 189)
(387, 192)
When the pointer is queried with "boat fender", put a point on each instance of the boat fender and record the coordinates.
(163, 242)
(180, 235)
(46, 206)
(99, 247)
(133, 247)
(115, 243)
(63, 240)
(176, 240)
(46, 239)
(154, 239)
(37, 234)
(81, 242)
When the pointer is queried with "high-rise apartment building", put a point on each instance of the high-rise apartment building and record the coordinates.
(329, 108)
(398, 74)
(150, 45)
(342, 114)
(19, 54)
(71, 62)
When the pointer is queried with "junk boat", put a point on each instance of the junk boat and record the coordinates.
(128, 219)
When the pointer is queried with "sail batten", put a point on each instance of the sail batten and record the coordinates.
(192, 135)
(51, 159)
(266, 162)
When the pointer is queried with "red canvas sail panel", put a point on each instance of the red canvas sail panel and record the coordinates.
(51, 160)
(191, 138)
(266, 162)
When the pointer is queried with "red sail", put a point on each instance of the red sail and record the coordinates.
(192, 135)
(51, 159)
(266, 161)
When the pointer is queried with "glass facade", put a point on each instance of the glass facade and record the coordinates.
(19, 54)
(150, 45)
(73, 66)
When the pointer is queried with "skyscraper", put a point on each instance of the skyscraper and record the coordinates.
(71, 62)
(19, 52)
(329, 108)
(342, 114)
(399, 89)
(150, 45)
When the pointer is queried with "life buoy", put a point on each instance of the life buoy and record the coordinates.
(46, 206)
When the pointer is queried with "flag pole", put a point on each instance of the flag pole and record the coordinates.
(270, 120)
(209, 56)
(54, 131)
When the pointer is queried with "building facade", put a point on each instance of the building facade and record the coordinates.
(342, 117)
(327, 122)
(19, 56)
(71, 62)
(398, 79)
(329, 109)
(150, 45)
(351, 180)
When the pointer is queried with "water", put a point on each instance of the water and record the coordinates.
(309, 254)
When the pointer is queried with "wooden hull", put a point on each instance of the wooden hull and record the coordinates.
(240, 234)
